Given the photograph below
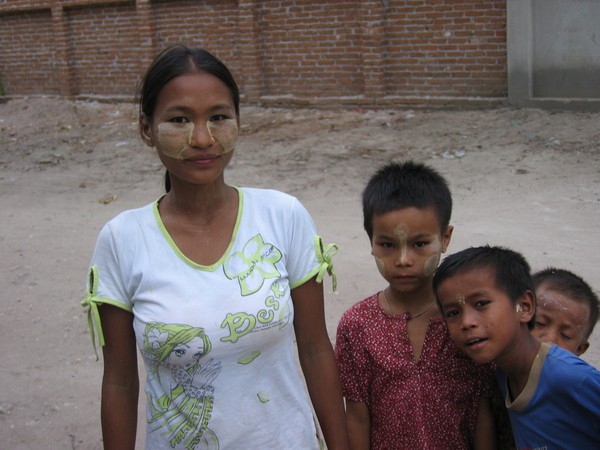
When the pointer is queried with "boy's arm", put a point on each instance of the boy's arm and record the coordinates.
(485, 428)
(359, 425)
(352, 373)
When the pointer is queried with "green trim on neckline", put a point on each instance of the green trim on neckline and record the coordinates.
(185, 259)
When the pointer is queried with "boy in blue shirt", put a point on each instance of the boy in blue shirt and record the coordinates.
(487, 296)
(567, 309)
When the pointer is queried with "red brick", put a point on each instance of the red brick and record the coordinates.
(299, 48)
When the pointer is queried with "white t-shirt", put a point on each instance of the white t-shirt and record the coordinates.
(217, 341)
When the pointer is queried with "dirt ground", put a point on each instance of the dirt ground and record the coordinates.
(523, 178)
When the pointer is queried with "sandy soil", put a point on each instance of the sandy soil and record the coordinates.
(522, 178)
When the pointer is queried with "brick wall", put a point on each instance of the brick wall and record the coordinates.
(353, 52)
(446, 47)
(27, 57)
(211, 24)
(103, 58)
(310, 50)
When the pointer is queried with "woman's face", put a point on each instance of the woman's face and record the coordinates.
(194, 128)
(186, 355)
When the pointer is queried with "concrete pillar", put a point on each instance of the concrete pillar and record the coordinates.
(519, 42)
(248, 44)
(59, 25)
(373, 13)
(146, 33)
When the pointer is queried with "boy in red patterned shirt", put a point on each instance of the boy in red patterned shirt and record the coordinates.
(405, 383)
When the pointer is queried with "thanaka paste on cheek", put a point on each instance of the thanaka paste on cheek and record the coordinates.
(225, 132)
(433, 261)
(431, 264)
(174, 138)
(380, 265)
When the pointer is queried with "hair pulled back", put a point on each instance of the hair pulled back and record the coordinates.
(178, 60)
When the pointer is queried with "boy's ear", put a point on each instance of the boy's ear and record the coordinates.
(446, 236)
(581, 348)
(145, 131)
(525, 307)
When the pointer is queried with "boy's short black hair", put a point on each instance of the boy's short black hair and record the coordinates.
(573, 286)
(511, 269)
(404, 185)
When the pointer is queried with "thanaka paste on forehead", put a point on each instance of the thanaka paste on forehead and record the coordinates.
(401, 233)
(460, 298)
(551, 302)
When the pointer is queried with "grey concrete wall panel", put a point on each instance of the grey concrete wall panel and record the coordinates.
(566, 48)
(553, 51)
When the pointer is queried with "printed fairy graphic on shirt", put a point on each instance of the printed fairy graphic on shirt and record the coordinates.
(183, 413)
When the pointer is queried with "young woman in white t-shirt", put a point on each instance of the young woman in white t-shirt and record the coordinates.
(214, 284)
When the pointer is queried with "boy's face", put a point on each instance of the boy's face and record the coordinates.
(482, 320)
(561, 320)
(407, 244)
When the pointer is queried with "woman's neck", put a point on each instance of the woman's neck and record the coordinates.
(203, 204)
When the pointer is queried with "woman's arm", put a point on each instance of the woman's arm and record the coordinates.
(120, 382)
(359, 425)
(318, 363)
(485, 429)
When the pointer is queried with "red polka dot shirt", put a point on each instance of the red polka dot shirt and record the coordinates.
(431, 403)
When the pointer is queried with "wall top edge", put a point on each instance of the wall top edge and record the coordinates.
(61, 4)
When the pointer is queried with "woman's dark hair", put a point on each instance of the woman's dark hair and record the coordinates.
(172, 62)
